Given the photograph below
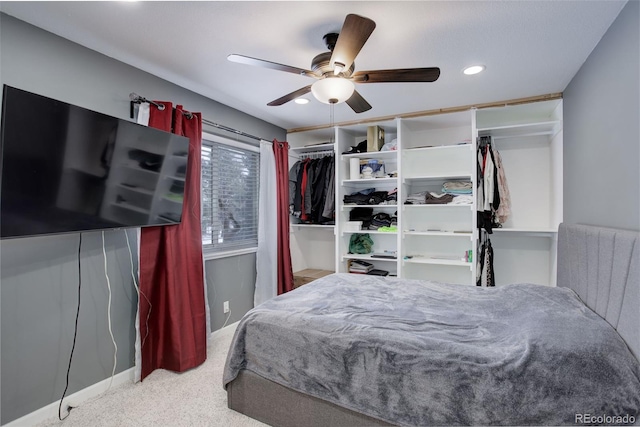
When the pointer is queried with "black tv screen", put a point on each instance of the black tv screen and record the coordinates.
(66, 169)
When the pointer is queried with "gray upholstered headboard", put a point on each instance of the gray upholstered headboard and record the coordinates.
(602, 265)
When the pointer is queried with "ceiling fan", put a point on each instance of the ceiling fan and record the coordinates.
(335, 69)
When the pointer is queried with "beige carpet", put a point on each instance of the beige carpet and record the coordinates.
(194, 398)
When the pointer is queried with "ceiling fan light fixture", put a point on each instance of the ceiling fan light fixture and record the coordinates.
(332, 90)
(335, 68)
(474, 69)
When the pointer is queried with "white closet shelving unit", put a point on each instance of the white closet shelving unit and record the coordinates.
(529, 139)
(437, 237)
(432, 240)
(347, 137)
(312, 245)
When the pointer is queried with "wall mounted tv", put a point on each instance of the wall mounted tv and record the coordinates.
(64, 169)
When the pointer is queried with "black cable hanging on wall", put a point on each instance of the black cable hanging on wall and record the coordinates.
(75, 336)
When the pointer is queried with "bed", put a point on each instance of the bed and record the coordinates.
(359, 350)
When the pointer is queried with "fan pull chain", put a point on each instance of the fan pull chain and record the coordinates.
(331, 120)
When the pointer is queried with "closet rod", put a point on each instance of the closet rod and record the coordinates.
(316, 153)
(137, 99)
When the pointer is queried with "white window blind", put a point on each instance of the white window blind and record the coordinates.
(229, 197)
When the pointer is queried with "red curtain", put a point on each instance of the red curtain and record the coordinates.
(171, 267)
(285, 272)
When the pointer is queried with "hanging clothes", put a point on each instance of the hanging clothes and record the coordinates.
(310, 170)
(328, 212)
(312, 194)
(504, 209)
(485, 275)
(485, 187)
(304, 196)
(492, 189)
(293, 181)
(318, 189)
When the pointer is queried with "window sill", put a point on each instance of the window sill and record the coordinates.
(217, 255)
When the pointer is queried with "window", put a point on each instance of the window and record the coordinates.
(230, 173)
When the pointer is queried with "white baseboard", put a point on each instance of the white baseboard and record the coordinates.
(75, 399)
(229, 329)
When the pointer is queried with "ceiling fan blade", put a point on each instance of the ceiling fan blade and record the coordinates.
(247, 60)
(358, 103)
(291, 96)
(397, 76)
(353, 35)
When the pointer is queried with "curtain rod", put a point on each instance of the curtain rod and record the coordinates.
(137, 99)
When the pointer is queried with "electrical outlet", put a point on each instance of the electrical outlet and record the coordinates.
(225, 306)
(68, 406)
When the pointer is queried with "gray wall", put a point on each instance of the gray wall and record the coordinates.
(39, 282)
(601, 130)
(220, 274)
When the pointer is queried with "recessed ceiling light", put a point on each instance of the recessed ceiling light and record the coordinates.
(302, 101)
(474, 69)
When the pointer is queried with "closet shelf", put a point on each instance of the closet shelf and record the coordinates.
(320, 226)
(136, 189)
(438, 261)
(312, 148)
(371, 155)
(468, 235)
(452, 176)
(544, 232)
(434, 206)
(392, 233)
(381, 206)
(522, 130)
(137, 168)
(368, 257)
(369, 181)
(439, 147)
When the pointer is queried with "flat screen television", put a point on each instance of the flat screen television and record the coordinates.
(64, 169)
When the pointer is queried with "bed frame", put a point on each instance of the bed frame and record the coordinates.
(601, 265)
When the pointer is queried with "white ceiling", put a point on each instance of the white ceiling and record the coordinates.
(529, 47)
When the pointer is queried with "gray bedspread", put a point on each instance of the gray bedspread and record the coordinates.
(421, 353)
